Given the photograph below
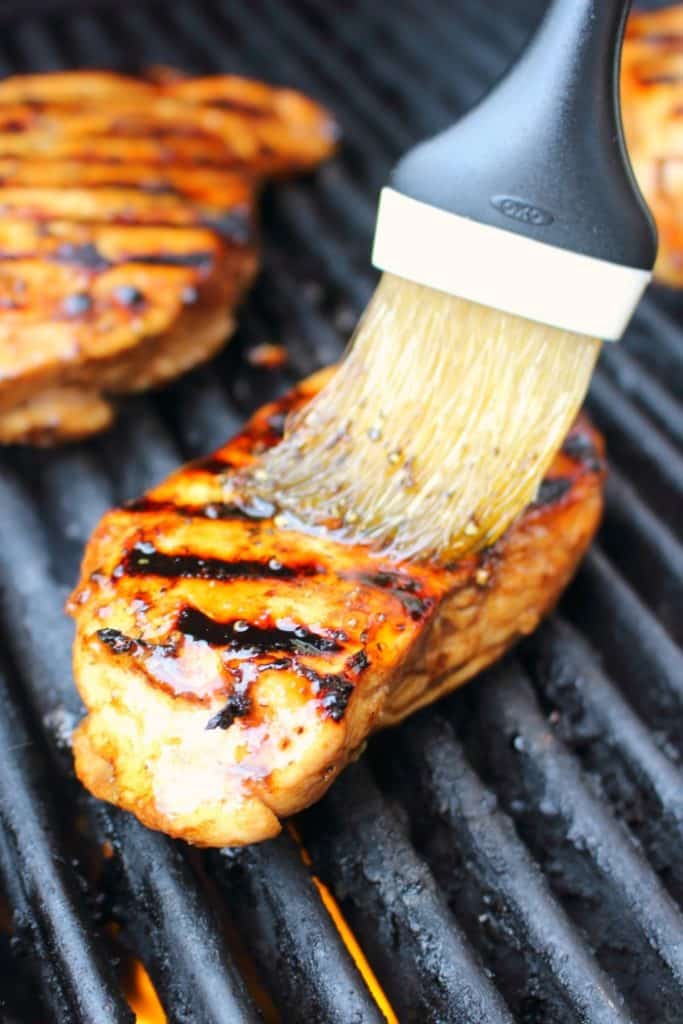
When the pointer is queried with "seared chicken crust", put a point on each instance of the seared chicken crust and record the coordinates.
(652, 105)
(127, 231)
(232, 665)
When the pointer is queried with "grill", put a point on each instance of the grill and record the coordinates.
(510, 855)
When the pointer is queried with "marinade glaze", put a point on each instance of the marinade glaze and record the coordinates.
(232, 664)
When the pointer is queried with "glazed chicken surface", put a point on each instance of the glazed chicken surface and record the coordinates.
(652, 104)
(232, 666)
(127, 231)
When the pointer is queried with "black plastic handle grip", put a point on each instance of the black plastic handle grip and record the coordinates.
(543, 154)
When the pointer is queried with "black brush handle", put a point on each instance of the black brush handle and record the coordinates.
(543, 154)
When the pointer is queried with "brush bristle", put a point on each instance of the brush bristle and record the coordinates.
(437, 428)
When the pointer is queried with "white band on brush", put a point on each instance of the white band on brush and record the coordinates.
(503, 270)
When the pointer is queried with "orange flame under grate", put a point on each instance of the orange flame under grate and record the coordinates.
(142, 997)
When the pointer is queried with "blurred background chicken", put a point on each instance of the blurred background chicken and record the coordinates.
(128, 231)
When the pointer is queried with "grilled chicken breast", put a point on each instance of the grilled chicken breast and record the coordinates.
(232, 666)
(127, 234)
(652, 103)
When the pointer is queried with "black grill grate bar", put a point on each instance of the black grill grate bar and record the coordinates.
(403, 37)
(430, 86)
(440, 35)
(354, 211)
(33, 46)
(642, 783)
(645, 550)
(294, 941)
(362, 148)
(6, 64)
(654, 339)
(639, 448)
(515, 921)
(86, 39)
(457, 83)
(185, 23)
(645, 390)
(331, 68)
(145, 31)
(633, 645)
(309, 332)
(391, 900)
(50, 918)
(394, 83)
(296, 217)
(170, 917)
(511, 25)
(201, 414)
(137, 452)
(209, 46)
(423, 107)
(591, 863)
(292, 317)
(206, 409)
(17, 11)
(70, 512)
(188, 959)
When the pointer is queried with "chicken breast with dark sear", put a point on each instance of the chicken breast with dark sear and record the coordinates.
(127, 232)
(232, 666)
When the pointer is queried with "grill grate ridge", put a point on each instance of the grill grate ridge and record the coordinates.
(634, 442)
(647, 392)
(425, 963)
(601, 728)
(601, 876)
(49, 912)
(654, 340)
(646, 551)
(538, 957)
(278, 907)
(633, 645)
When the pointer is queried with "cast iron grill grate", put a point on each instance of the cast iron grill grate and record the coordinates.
(510, 855)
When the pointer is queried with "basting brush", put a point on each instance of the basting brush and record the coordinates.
(510, 244)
